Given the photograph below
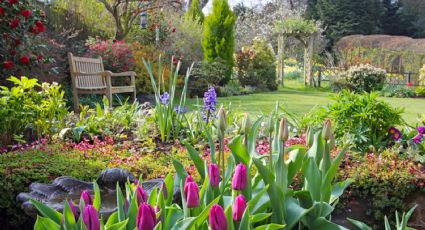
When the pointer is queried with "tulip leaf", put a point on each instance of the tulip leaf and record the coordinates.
(132, 213)
(239, 150)
(181, 172)
(245, 223)
(258, 200)
(48, 212)
(338, 189)
(259, 217)
(68, 217)
(252, 136)
(294, 212)
(204, 188)
(118, 226)
(120, 204)
(186, 223)
(158, 226)
(228, 173)
(169, 185)
(330, 175)
(113, 219)
(96, 201)
(270, 227)
(229, 218)
(316, 150)
(153, 197)
(322, 224)
(44, 223)
(359, 224)
(173, 214)
(313, 178)
(197, 160)
(185, 211)
(296, 158)
(304, 197)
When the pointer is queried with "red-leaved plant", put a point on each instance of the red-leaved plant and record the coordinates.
(20, 23)
(116, 55)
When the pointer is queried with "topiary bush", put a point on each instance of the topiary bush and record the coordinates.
(255, 66)
(205, 74)
(366, 77)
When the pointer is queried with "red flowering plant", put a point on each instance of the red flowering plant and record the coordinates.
(116, 55)
(20, 23)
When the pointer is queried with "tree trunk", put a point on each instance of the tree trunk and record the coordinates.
(308, 61)
(280, 60)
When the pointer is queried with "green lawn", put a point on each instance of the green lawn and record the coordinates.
(300, 100)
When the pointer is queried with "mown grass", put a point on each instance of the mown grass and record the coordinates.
(297, 99)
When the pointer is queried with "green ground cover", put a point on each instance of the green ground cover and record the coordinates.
(299, 100)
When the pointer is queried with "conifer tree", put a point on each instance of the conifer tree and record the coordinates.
(195, 12)
(219, 36)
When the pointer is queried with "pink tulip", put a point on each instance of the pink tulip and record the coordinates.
(238, 208)
(239, 180)
(217, 218)
(141, 195)
(214, 174)
(85, 196)
(191, 191)
(91, 218)
(146, 217)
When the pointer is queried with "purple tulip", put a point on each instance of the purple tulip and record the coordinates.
(421, 130)
(239, 180)
(73, 209)
(90, 218)
(238, 208)
(146, 217)
(85, 196)
(217, 218)
(418, 138)
(141, 195)
(214, 174)
(191, 191)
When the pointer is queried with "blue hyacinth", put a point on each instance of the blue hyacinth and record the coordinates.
(210, 102)
(164, 98)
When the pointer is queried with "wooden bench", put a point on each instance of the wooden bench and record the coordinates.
(89, 77)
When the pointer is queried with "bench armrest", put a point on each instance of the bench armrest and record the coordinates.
(103, 73)
(124, 74)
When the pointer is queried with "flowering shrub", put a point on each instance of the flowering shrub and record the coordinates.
(366, 77)
(21, 21)
(255, 66)
(117, 56)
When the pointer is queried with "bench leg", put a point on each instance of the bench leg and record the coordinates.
(109, 96)
(134, 96)
(76, 102)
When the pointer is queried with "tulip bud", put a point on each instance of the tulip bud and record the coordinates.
(310, 136)
(283, 130)
(222, 120)
(239, 180)
(85, 196)
(214, 174)
(146, 217)
(246, 124)
(217, 219)
(91, 218)
(327, 130)
(270, 124)
(73, 209)
(191, 191)
(141, 195)
(238, 208)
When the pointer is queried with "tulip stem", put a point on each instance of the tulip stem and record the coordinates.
(221, 154)
(271, 153)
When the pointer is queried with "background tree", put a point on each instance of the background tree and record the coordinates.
(345, 17)
(219, 38)
(126, 12)
(195, 12)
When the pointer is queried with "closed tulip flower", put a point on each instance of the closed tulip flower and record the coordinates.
(217, 219)
(283, 130)
(85, 196)
(141, 195)
(188, 179)
(238, 208)
(191, 191)
(239, 180)
(214, 174)
(327, 130)
(91, 218)
(146, 217)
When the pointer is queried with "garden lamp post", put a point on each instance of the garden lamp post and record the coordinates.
(143, 20)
